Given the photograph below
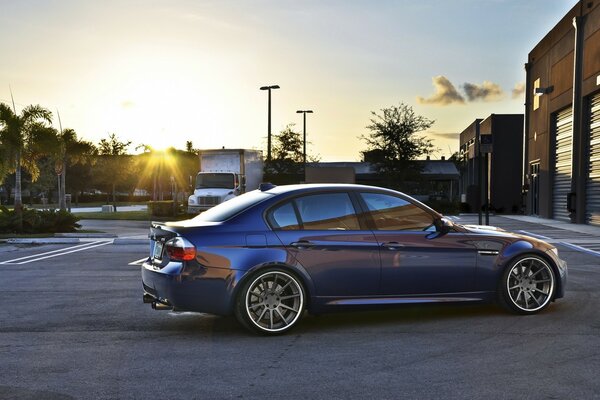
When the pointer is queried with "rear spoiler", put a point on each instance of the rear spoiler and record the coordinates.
(159, 232)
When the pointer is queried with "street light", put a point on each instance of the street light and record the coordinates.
(304, 141)
(269, 119)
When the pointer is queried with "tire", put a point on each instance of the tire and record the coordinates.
(527, 285)
(271, 302)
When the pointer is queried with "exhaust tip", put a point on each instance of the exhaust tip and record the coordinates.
(160, 306)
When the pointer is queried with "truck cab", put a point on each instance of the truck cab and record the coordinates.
(214, 188)
(224, 174)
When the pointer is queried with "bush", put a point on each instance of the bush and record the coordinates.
(165, 208)
(37, 221)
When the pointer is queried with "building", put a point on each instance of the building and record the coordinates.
(501, 166)
(438, 178)
(562, 119)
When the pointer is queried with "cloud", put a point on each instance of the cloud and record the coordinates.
(518, 90)
(445, 93)
(444, 135)
(487, 91)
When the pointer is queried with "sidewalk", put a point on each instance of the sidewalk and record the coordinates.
(579, 228)
(76, 210)
(117, 231)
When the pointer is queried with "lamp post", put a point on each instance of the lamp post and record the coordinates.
(304, 112)
(268, 88)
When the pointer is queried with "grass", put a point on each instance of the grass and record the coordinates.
(121, 215)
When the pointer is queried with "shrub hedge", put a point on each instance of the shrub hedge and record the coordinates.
(37, 221)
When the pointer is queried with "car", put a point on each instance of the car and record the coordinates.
(269, 255)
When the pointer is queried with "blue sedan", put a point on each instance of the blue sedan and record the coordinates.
(269, 255)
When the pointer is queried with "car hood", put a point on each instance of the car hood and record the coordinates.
(502, 235)
(482, 228)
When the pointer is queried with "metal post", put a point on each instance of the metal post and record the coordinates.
(478, 162)
(579, 173)
(268, 88)
(304, 143)
(269, 129)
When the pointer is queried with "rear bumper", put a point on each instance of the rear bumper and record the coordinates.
(189, 287)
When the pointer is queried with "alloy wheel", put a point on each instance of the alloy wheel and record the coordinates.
(274, 301)
(530, 284)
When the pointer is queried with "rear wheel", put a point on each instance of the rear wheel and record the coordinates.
(527, 285)
(271, 302)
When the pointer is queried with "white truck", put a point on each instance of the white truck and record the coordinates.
(224, 174)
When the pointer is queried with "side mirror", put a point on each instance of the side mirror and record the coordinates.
(444, 225)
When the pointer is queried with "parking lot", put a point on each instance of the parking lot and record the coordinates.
(73, 325)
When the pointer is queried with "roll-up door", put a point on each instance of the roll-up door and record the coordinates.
(593, 182)
(563, 149)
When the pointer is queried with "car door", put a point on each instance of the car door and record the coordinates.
(325, 235)
(415, 258)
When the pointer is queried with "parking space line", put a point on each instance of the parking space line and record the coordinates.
(581, 249)
(50, 252)
(138, 262)
(56, 253)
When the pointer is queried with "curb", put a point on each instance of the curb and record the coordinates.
(43, 241)
(85, 235)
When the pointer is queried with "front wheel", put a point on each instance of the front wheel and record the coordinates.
(527, 286)
(270, 302)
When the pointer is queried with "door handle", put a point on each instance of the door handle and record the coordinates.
(302, 244)
(392, 245)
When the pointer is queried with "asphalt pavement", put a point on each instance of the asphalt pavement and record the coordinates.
(73, 326)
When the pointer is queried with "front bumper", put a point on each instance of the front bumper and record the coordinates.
(191, 287)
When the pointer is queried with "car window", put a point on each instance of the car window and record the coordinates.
(391, 213)
(284, 217)
(228, 209)
(327, 211)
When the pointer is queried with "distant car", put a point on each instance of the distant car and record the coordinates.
(270, 254)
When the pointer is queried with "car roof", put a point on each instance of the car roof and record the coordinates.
(323, 186)
(311, 187)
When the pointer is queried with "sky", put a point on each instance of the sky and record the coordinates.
(161, 73)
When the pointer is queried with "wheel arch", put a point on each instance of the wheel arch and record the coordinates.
(296, 270)
(509, 261)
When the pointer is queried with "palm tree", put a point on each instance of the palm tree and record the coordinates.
(71, 151)
(19, 146)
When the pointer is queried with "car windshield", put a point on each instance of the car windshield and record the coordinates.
(228, 209)
(215, 181)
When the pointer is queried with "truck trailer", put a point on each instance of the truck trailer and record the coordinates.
(224, 174)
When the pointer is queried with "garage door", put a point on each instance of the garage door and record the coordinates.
(562, 167)
(593, 182)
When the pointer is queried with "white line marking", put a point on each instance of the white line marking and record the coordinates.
(582, 249)
(89, 246)
(51, 252)
(535, 235)
(138, 262)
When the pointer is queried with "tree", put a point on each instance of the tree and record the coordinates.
(73, 151)
(287, 152)
(189, 147)
(114, 165)
(19, 144)
(392, 141)
(113, 146)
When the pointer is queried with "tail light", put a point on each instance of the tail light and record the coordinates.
(180, 249)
